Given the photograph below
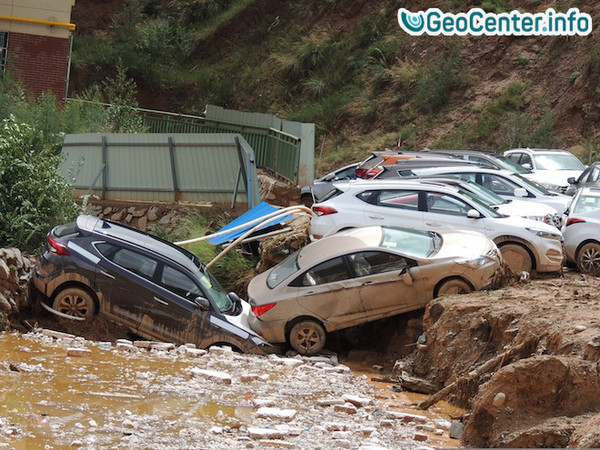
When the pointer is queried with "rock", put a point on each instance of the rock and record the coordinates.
(212, 375)
(57, 334)
(106, 211)
(4, 303)
(4, 270)
(276, 413)
(580, 328)
(359, 402)
(220, 350)
(420, 437)
(128, 218)
(79, 352)
(139, 212)
(386, 423)
(259, 402)
(194, 352)
(116, 217)
(347, 408)
(264, 433)
(456, 429)
(125, 347)
(162, 346)
(499, 399)
(126, 341)
(249, 377)
(406, 417)
(439, 432)
(151, 216)
(331, 402)
(142, 223)
(290, 362)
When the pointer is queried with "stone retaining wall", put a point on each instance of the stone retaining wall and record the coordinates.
(15, 276)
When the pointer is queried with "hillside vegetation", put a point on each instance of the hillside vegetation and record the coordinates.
(348, 67)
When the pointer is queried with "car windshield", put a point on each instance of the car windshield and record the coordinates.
(412, 242)
(283, 270)
(586, 204)
(511, 165)
(532, 185)
(481, 203)
(558, 161)
(484, 194)
(218, 294)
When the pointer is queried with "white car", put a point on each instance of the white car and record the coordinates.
(504, 183)
(582, 230)
(322, 186)
(549, 167)
(525, 244)
(508, 207)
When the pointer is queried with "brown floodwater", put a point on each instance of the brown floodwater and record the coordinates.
(50, 400)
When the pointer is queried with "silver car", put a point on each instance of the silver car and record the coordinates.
(582, 230)
(365, 274)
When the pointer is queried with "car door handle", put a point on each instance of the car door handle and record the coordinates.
(106, 274)
(162, 302)
(306, 294)
(366, 283)
(433, 224)
(376, 217)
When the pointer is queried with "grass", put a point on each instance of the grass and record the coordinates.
(213, 24)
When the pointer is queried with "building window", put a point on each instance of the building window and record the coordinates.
(3, 48)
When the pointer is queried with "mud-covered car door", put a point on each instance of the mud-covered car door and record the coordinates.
(328, 291)
(388, 283)
(124, 277)
(172, 314)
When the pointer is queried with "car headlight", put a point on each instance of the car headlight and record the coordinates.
(475, 263)
(538, 218)
(551, 186)
(545, 234)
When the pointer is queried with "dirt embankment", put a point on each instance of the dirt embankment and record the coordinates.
(540, 344)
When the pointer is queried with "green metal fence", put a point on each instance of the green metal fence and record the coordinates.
(274, 149)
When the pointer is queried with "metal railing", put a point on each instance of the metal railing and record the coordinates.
(274, 149)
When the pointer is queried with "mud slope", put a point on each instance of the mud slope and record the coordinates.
(545, 391)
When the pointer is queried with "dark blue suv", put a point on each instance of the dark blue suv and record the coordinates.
(158, 290)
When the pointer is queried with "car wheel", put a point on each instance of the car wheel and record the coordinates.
(517, 258)
(75, 302)
(588, 258)
(307, 337)
(454, 286)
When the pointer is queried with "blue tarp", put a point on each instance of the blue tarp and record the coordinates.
(260, 210)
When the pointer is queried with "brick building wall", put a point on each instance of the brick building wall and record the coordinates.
(40, 62)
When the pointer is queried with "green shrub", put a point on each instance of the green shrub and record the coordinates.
(33, 195)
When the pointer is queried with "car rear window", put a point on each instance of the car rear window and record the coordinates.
(413, 242)
(283, 271)
(65, 230)
(331, 194)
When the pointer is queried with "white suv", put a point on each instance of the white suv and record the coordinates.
(525, 244)
(550, 168)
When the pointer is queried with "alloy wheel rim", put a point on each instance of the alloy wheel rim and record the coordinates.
(73, 305)
(591, 260)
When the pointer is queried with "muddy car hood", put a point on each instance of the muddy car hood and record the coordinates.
(464, 244)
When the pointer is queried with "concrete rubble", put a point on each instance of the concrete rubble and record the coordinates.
(254, 401)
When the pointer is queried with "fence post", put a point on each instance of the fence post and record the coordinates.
(176, 193)
(104, 166)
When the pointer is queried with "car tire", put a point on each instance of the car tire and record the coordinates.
(307, 337)
(75, 302)
(454, 286)
(517, 258)
(588, 258)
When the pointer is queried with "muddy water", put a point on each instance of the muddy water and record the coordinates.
(50, 400)
(407, 402)
(44, 392)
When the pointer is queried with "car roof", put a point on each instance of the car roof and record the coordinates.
(390, 183)
(539, 150)
(463, 152)
(138, 238)
(463, 169)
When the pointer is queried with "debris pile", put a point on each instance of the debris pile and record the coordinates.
(15, 275)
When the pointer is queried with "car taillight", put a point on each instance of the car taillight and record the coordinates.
(259, 310)
(373, 172)
(572, 220)
(361, 173)
(57, 247)
(321, 210)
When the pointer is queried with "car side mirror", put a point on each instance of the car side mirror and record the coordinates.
(571, 180)
(526, 166)
(473, 214)
(234, 297)
(202, 303)
(520, 192)
(406, 277)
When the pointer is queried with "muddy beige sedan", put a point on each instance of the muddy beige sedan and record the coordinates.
(364, 274)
